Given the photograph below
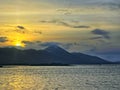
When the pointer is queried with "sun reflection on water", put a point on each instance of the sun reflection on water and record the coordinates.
(20, 81)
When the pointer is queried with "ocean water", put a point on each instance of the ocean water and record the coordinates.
(82, 77)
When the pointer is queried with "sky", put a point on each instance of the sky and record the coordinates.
(87, 26)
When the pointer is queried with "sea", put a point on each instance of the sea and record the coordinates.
(76, 77)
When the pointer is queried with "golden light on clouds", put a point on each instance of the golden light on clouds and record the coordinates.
(18, 38)
(16, 42)
(49, 21)
(19, 44)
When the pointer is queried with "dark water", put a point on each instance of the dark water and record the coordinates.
(83, 77)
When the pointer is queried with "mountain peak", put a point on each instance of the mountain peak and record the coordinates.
(55, 49)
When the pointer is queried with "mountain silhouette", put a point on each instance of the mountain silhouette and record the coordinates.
(54, 49)
(50, 55)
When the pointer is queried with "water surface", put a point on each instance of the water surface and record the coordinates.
(82, 77)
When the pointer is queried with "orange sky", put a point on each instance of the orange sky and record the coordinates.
(81, 25)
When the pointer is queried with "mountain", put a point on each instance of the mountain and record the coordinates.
(50, 55)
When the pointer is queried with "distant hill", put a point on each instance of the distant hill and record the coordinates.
(51, 55)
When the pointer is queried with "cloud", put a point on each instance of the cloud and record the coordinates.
(112, 54)
(103, 33)
(110, 51)
(65, 11)
(21, 27)
(67, 45)
(93, 38)
(38, 32)
(112, 5)
(31, 42)
(3, 39)
(65, 24)
(81, 26)
(27, 42)
(46, 44)
(38, 41)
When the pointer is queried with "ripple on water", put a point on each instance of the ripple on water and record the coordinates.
(22, 82)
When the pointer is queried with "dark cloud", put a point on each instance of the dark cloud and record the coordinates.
(72, 26)
(3, 39)
(65, 24)
(20, 27)
(100, 32)
(27, 42)
(81, 26)
(38, 32)
(103, 33)
(93, 38)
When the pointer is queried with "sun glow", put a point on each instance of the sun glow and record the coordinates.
(19, 44)
(16, 39)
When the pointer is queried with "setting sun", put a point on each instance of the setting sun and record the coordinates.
(19, 44)
(17, 39)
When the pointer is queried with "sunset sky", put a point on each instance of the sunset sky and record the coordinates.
(87, 26)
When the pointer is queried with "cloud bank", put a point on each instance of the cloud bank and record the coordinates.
(3, 39)
(63, 23)
(21, 27)
(101, 32)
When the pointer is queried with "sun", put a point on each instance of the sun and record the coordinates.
(19, 44)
